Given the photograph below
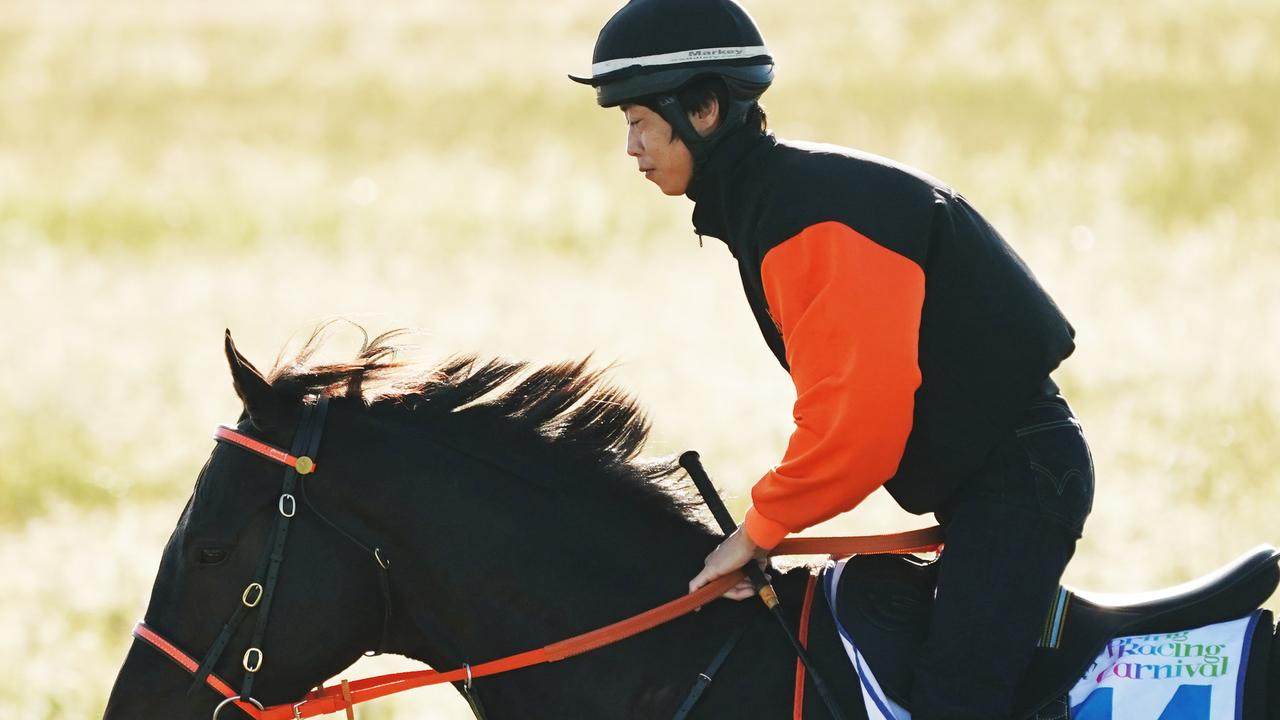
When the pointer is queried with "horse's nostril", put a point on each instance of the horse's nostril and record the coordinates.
(212, 556)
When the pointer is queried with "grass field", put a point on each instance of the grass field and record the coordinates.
(170, 169)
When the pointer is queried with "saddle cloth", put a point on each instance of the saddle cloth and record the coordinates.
(1196, 674)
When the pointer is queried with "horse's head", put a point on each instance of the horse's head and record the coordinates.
(326, 611)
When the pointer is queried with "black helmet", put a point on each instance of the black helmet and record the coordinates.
(654, 47)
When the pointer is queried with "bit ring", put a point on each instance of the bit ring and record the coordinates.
(232, 699)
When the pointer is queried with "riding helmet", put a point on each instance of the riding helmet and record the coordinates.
(654, 47)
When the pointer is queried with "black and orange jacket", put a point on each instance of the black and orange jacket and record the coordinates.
(913, 333)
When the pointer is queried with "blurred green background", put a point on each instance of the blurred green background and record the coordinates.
(171, 168)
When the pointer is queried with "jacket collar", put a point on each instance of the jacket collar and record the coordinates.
(719, 181)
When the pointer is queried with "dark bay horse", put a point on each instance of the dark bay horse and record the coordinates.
(511, 510)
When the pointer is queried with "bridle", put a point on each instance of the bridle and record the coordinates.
(259, 593)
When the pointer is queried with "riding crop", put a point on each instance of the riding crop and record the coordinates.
(692, 464)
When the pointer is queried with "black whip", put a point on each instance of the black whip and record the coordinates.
(692, 464)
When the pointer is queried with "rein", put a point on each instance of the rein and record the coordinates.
(344, 696)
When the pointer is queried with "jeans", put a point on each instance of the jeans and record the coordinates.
(1009, 533)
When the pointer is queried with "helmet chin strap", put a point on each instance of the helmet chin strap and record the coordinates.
(701, 146)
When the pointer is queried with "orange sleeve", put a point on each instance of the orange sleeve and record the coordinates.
(849, 312)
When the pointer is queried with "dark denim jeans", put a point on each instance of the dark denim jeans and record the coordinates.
(1009, 534)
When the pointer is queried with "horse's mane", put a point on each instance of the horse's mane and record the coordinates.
(567, 408)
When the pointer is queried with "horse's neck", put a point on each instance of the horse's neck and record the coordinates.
(500, 598)
(551, 585)
(485, 565)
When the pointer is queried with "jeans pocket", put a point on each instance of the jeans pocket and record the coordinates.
(1062, 469)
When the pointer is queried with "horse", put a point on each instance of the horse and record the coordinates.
(457, 513)
(512, 509)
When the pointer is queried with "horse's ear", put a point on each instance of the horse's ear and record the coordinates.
(261, 403)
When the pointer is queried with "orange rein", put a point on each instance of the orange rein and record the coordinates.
(331, 699)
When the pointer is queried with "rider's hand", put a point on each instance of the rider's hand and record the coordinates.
(731, 554)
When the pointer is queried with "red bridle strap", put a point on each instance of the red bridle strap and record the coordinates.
(142, 632)
(304, 465)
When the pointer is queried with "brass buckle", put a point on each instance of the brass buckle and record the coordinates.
(256, 590)
(252, 660)
(304, 465)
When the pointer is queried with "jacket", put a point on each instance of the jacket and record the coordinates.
(913, 333)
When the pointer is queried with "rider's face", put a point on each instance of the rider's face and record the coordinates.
(663, 158)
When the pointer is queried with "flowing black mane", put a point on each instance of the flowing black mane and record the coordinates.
(566, 411)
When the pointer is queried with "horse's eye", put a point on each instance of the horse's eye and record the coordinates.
(212, 556)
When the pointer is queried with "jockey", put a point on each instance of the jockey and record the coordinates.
(919, 343)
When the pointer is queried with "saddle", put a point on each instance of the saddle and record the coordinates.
(885, 602)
